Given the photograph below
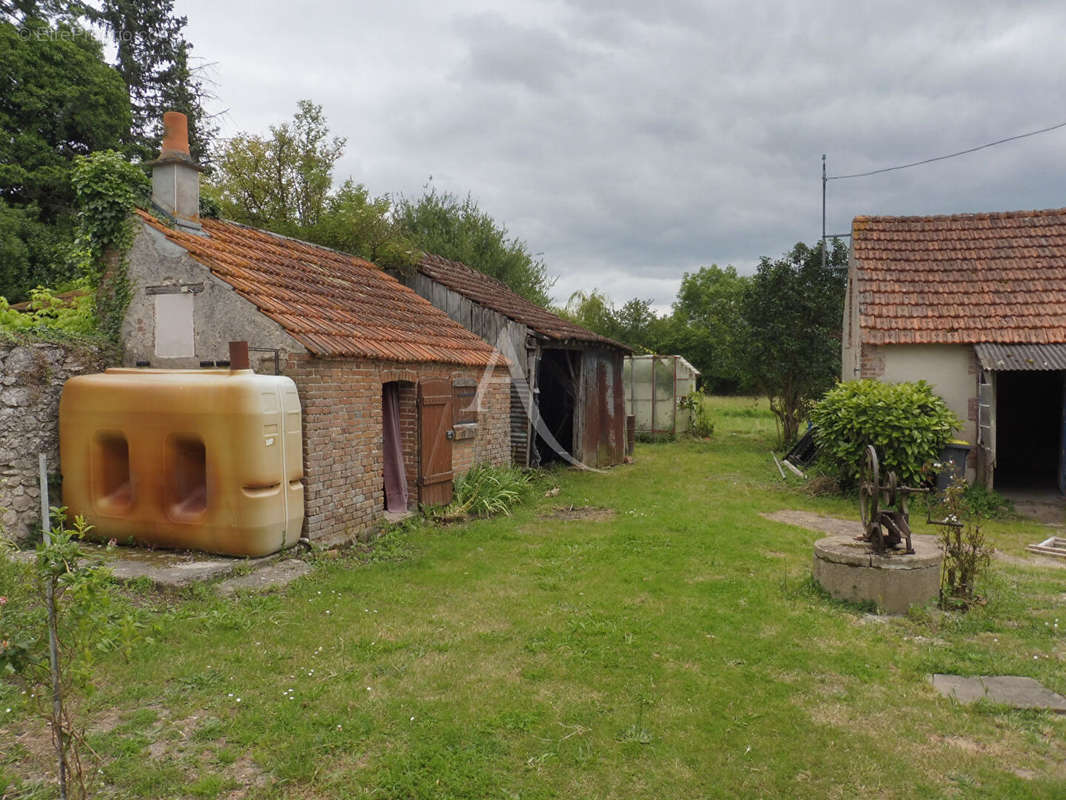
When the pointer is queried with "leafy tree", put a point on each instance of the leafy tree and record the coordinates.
(58, 100)
(151, 57)
(708, 325)
(441, 223)
(792, 311)
(593, 310)
(31, 252)
(282, 181)
(356, 223)
(635, 323)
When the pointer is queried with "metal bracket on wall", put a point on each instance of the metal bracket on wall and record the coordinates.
(175, 288)
(275, 351)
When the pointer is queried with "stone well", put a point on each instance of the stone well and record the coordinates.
(849, 570)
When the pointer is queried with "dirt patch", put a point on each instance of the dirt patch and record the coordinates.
(581, 513)
(1033, 561)
(247, 775)
(961, 743)
(817, 522)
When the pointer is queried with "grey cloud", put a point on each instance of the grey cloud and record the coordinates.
(632, 141)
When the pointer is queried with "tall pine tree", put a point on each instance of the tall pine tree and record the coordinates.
(153, 59)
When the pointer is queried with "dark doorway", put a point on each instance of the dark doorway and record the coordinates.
(394, 469)
(1028, 429)
(557, 374)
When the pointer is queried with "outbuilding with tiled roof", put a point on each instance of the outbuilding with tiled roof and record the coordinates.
(567, 399)
(396, 397)
(975, 304)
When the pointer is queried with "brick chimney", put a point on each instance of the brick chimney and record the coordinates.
(175, 176)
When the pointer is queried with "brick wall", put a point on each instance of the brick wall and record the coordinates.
(872, 362)
(343, 467)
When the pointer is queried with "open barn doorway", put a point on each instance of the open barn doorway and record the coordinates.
(557, 381)
(1029, 425)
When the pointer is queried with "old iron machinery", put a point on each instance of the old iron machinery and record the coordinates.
(883, 507)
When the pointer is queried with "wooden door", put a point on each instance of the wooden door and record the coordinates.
(435, 436)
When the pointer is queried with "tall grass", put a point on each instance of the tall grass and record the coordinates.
(485, 491)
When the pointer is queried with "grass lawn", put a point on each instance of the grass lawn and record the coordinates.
(676, 650)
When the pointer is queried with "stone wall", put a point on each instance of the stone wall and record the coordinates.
(342, 433)
(31, 381)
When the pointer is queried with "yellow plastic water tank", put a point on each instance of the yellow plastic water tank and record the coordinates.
(203, 459)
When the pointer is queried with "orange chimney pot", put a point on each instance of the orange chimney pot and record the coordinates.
(175, 132)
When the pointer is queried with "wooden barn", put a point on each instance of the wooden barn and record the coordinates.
(567, 397)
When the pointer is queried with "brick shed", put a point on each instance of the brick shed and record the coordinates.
(366, 352)
(567, 398)
(974, 304)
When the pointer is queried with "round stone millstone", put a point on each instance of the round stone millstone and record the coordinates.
(850, 570)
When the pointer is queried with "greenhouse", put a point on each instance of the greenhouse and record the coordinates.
(654, 389)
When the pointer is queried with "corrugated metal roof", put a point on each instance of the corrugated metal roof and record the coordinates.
(332, 303)
(966, 278)
(1021, 357)
(491, 293)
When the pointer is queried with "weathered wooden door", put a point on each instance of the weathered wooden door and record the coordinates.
(435, 442)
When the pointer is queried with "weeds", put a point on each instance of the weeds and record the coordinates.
(701, 426)
(967, 552)
(88, 621)
(485, 491)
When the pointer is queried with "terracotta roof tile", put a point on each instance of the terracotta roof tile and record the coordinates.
(332, 303)
(967, 278)
(491, 293)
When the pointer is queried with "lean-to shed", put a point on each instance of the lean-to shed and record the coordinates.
(566, 387)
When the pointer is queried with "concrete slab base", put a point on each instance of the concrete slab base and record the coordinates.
(166, 569)
(850, 570)
(1009, 690)
(271, 576)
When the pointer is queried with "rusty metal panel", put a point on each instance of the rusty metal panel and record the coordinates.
(601, 409)
(435, 405)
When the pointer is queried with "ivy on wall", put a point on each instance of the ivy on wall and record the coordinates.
(107, 188)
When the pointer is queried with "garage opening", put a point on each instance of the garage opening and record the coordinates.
(1029, 407)
(557, 379)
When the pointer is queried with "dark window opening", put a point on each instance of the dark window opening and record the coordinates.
(111, 481)
(186, 478)
(465, 392)
(1028, 429)
(557, 384)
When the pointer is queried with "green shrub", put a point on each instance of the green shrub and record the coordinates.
(48, 312)
(986, 503)
(485, 490)
(700, 424)
(906, 422)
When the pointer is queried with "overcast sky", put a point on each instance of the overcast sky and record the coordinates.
(631, 141)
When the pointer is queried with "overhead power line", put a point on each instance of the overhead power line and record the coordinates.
(949, 155)
(826, 177)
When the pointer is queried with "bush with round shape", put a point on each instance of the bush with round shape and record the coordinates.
(907, 422)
